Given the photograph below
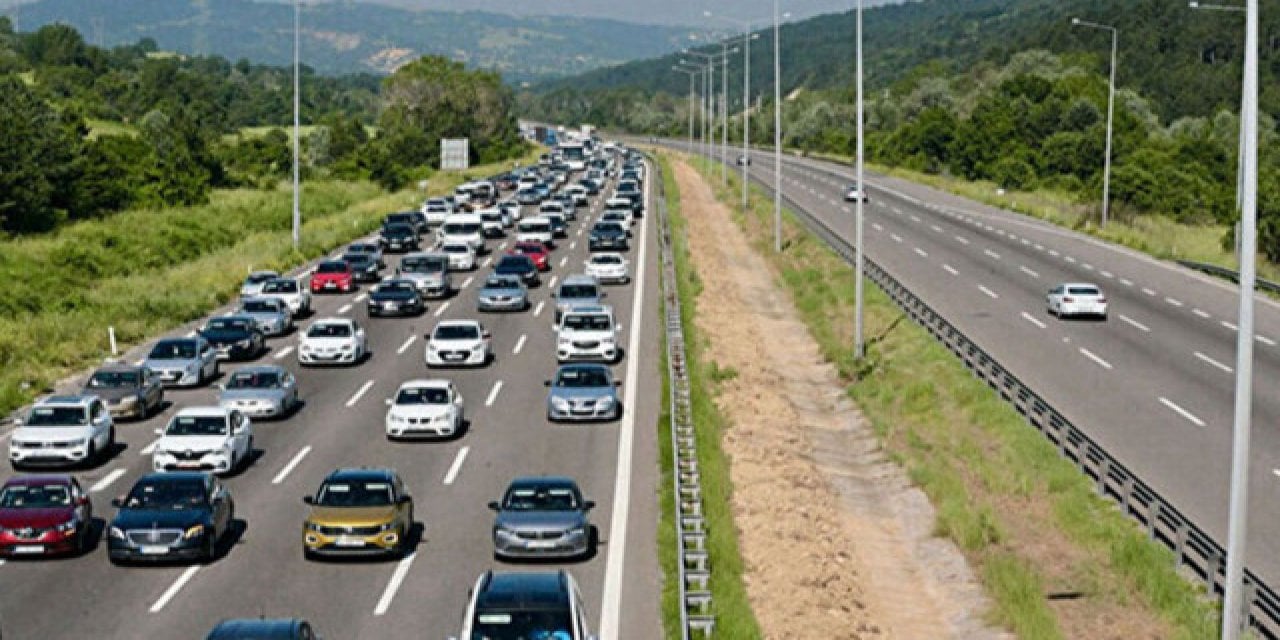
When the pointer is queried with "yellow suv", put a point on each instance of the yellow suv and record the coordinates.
(358, 511)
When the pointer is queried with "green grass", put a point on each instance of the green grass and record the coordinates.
(732, 610)
(249, 133)
(667, 551)
(99, 128)
(1001, 491)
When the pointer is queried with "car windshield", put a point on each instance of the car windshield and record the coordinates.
(456, 332)
(174, 350)
(456, 248)
(1084, 291)
(521, 625)
(608, 227)
(257, 278)
(197, 426)
(397, 230)
(461, 228)
(332, 267)
(533, 226)
(514, 264)
(579, 378)
(395, 287)
(603, 259)
(529, 249)
(280, 286)
(540, 499)
(260, 306)
(362, 248)
(254, 380)
(592, 322)
(423, 395)
(578, 291)
(329, 330)
(398, 218)
(114, 379)
(498, 282)
(614, 215)
(166, 493)
(227, 324)
(491, 216)
(57, 417)
(357, 259)
(354, 494)
(35, 496)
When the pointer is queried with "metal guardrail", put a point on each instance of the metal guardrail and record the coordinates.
(1192, 547)
(692, 559)
(1228, 274)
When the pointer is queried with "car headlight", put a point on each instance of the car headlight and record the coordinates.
(478, 347)
(115, 532)
(244, 344)
(607, 341)
(577, 531)
(192, 366)
(311, 526)
(560, 403)
(564, 342)
(83, 442)
(193, 531)
(605, 402)
(433, 347)
(66, 527)
(129, 400)
(395, 419)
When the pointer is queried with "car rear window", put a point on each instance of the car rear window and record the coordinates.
(1084, 291)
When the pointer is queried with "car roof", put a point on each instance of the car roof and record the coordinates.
(260, 368)
(578, 278)
(1081, 284)
(333, 320)
(42, 478)
(203, 411)
(267, 299)
(256, 629)
(189, 476)
(438, 383)
(395, 281)
(458, 323)
(524, 591)
(542, 481)
(67, 400)
(583, 366)
(360, 473)
(119, 367)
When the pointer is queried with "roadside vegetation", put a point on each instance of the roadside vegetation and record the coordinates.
(1056, 559)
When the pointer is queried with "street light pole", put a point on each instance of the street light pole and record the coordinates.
(690, 73)
(297, 212)
(724, 112)
(746, 112)
(859, 348)
(1111, 101)
(777, 135)
(1239, 143)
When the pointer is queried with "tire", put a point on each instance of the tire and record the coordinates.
(210, 549)
(93, 454)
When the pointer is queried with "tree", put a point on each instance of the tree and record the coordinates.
(38, 160)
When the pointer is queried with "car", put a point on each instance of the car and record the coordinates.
(234, 337)
(63, 431)
(579, 194)
(553, 206)
(429, 272)
(291, 292)
(216, 439)
(260, 391)
(333, 276)
(332, 341)
(503, 292)
(424, 408)
(559, 224)
(494, 222)
(608, 235)
(528, 197)
(129, 391)
(590, 186)
(526, 604)
(395, 297)
(852, 194)
(569, 204)
(536, 251)
(169, 516)
(462, 256)
(535, 229)
(511, 209)
(462, 194)
(371, 248)
(467, 228)
(253, 284)
(506, 182)
(44, 515)
(608, 268)
(263, 629)
(183, 362)
(364, 267)
(744, 160)
(583, 391)
(271, 315)
(576, 290)
(1073, 299)
(358, 511)
(399, 238)
(622, 217)
(436, 210)
(412, 218)
(587, 332)
(458, 343)
(519, 265)
(542, 517)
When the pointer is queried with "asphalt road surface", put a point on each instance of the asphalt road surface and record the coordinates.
(262, 571)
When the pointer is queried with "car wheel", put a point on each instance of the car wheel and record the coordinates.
(92, 456)
(210, 548)
(111, 439)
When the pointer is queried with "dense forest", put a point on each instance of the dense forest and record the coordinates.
(86, 131)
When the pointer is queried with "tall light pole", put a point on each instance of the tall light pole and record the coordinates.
(690, 73)
(777, 134)
(1239, 143)
(724, 112)
(747, 36)
(1111, 101)
(859, 348)
(710, 59)
(297, 30)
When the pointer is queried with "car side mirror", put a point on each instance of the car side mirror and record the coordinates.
(546, 383)
(360, 332)
(159, 431)
(617, 383)
(588, 505)
(604, 295)
(19, 421)
(82, 501)
(404, 500)
(117, 502)
(494, 506)
(487, 334)
(308, 499)
(389, 401)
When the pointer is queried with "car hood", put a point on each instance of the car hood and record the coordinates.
(582, 335)
(52, 434)
(251, 394)
(160, 518)
(539, 520)
(392, 295)
(263, 316)
(328, 343)
(111, 393)
(456, 344)
(191, 443)
(421, 410)
(39, 518)
(169, 363)
(354, 516)
(608, 233)
(325, 277)
(494, 292)
(582, 393)
(225, 335)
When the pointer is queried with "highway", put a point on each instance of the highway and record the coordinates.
(1154, 384)
(262, 571)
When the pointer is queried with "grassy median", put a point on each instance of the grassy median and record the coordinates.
(1055, 558)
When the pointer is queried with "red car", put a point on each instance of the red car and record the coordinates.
(333, 276)
(536, 252)
(44, 515)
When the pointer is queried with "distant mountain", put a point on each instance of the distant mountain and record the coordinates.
(348, 36)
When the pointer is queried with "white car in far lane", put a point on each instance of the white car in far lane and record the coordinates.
(1077, 299)
(461, 256)
(424, 408)
(333, 341)
(608, 267)
(458, 343)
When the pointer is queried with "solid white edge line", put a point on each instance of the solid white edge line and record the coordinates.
(297, 458)
(1135, 323)
(359, 394)
(493, 394)
(1214, 363)
(283, 353)
(1094, 357)
(174, 588)
(106, 481)
(1033, 320)
(1191, 417)
(454, 468)
(519, 343)
(405, 347)
(538, 309)
(402, 570)
(441, 309)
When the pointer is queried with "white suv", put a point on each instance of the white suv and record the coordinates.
(436, 210)
(63, 431)
(424, 408)
(587, 333)
(214, 439)
(463, 227)
(458, 343)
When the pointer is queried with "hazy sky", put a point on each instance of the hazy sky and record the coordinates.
(679, 12)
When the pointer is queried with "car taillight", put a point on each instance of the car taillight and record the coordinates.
(1068, 299)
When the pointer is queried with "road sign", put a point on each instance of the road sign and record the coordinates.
(455, 153)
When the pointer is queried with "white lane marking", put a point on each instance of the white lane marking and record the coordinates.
(1054, 253)
(106, 481)
(1126, 282)
(402, 570)
(1029, 272)
(1265, 340)
(1087, 266)
(440, 311)
(1107, 274)
(466, 283)
(1213, 362)
(1024, 241)
(174, 588)
(502, 246)
(1135, 323)
(538, 309)
(962, 240)
(1000, 232)
(1094, 357)
(573, 245)
(936, 228)
(293, 462)
(579, 232)
(493, 395)
(1200, 312)
(1229, 325)
(362, 297)
(1182, 412)
(344, 308)
(950, 269)
(1149, 291)
(1039, 247)
(896, 237)
(284, 353)
(1069, 259)
(877, 226)
(147, 450)
(519, 344)
(1032, 319)
(1173, 301)
(553, 281)
(922, 252)
(360, 394)
(988, 227)
(405, 347)
(564, 261)
(454, 468)
(989, 292)
(915, 218)
(487, 261)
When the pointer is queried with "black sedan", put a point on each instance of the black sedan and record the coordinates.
(364, 266)
(173, 515)
(399, 238)
(607, 236)
(519, 265)
(395, 298)
(234, 337)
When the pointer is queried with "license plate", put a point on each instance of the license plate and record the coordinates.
(542, 544)
(454, 356)
(348, 541)
(188, 465)
(330, 285)
(28, 548)
(390, 306)
(153, 550)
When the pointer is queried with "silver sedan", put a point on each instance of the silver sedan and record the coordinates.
(260, 391)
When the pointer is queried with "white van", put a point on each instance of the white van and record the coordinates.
(462, 227)
(534, 229)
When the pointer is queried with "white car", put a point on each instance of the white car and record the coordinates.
(332, 341)
(213, 439)
(588, 333)
(616, 215)
(436, 210)
(291, 291)
(511, 209)
(608, 267)
(63, 431)
(551, 208)
(579, 194)
(462, 257)
(424, 408)
(853, 194)
(458, 343)
(1077, 299)
(463, 227)
(493, 222)
(535, 229)
(253, 284)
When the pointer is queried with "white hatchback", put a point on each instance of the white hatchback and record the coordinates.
(458, 343)
(461, 256)
(1077, 299)
(215, 439)
(333, 341)
(608, 267)
(424, 408)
